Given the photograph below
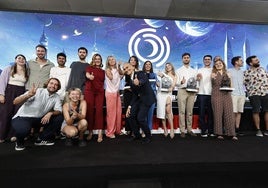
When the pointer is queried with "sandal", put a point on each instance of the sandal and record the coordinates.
(89, 137)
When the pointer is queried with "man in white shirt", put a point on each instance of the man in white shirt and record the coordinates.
(41, 106)
(239, 94)
(62, 73)
(205, 118)
(186, 98)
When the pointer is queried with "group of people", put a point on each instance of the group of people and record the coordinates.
(37, 96)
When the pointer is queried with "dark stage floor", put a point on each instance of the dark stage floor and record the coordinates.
(189, 162)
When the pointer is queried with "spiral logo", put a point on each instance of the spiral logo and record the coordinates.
(160, 46)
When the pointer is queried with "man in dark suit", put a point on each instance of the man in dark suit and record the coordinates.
(142, 99)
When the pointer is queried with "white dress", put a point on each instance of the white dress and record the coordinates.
(162, 98)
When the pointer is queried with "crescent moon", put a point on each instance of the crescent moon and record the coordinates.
(155, 47)
(49, 23)
(77, 33)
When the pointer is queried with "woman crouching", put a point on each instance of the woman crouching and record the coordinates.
(74, 112)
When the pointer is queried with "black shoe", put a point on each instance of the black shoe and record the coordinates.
(40, 142)
(68, 142)
(82, 143)
(146, 140)
(133, 138)
(239, 133)
(192, 133)
(19, 147)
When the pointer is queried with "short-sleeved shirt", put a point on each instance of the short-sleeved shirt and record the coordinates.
(256, 81)
(40, 104)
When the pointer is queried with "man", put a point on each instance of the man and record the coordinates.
(62, 73)
(78, 71)
(204, 97)
(40, 106)
(186, 99)
(256, 83)
(142, 99)
(238, 95)
(39, 68)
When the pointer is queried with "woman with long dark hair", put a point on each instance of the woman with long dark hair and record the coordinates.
(12, 84)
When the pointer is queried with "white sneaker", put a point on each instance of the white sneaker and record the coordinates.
(259, 133)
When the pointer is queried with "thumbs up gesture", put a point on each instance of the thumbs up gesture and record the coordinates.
(90, 76)
(183, 80)
(136, 81)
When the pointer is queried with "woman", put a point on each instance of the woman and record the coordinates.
(74, 112)
(148, 68)
(113, 75)
(164, 98)
(94, 96)
(12, 84)
(222, 102)
(133, 60)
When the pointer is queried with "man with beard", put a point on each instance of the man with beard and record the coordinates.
(186, 98)
(41, 107)
(77, 77)
(39, 68)
(256, 83)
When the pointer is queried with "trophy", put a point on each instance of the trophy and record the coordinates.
(165, 83)
(226, 83)
(191, 85)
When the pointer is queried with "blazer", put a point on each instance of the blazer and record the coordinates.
(143, 93)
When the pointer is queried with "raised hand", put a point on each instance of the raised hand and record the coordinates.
(136, 81)
(90, 76)
(183, 80)
(32, 90)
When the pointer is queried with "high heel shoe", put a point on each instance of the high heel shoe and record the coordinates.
(172, 134)
(165, 132)
(89, 137)
(100, 139)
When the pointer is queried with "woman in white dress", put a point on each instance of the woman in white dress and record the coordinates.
(164, 98)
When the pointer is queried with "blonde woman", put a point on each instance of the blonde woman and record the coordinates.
(164, 98)
(113, 75)
(74, 112)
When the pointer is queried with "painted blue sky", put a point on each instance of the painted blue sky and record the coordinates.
(156, 40)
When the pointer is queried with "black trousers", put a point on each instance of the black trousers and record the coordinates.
(138, 119)
(23, 125)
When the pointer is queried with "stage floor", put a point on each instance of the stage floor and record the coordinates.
(189, 162)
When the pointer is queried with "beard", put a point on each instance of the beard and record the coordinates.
(256, 65)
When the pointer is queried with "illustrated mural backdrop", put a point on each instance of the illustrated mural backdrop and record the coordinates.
(157, 40)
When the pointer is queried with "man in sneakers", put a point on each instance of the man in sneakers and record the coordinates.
(41, 106)
(204, 97)
(238, 95)
(256, 83)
